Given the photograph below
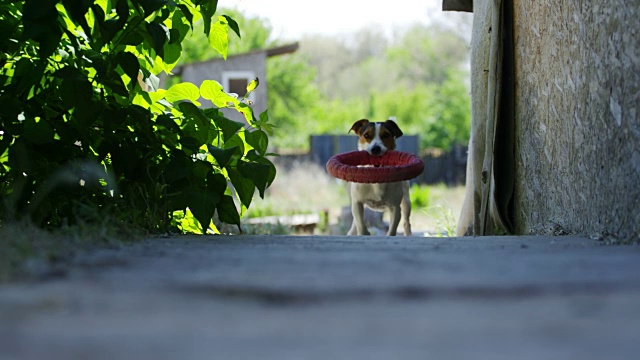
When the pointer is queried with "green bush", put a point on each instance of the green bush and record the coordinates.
(78, 131)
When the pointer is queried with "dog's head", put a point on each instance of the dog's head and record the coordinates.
(376, 137)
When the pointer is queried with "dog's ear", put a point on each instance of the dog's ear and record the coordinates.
(358, 125)
(393, 128)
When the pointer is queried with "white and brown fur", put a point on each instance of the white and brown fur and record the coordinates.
(376, 138)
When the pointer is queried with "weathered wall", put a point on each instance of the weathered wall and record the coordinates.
(577, 67)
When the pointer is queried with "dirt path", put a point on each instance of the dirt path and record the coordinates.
(333, 298)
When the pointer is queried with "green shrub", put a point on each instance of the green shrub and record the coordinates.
(77, 129)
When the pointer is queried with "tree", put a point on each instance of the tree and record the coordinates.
(426, 54)
(417, 77)
(79, 131)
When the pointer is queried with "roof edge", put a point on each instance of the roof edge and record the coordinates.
(275, 51)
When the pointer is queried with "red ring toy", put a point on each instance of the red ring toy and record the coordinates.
(393, 166)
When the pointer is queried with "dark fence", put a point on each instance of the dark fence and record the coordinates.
(440, 167)
(445, 167)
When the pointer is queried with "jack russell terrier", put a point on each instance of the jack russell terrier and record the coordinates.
(376, 138)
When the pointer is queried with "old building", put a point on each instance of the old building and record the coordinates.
(234, 74)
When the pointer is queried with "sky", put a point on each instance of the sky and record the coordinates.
(291, 19)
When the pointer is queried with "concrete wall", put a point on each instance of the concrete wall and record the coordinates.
(577, 66)
(213, 70)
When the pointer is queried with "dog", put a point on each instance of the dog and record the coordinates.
(376, 138)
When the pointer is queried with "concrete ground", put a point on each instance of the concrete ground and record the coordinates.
(273, 297)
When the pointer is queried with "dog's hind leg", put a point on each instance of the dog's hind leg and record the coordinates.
(394, 220)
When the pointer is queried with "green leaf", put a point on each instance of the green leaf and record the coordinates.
(235, 141)
(264, 117)
(203, 206)
(207, 8)
(182, 91)
(40, 20)
(244, 187)
(77, 10)
(38, 132)
(177, 168)
(193, 112)
(134, 38)
(245, 110)
(222, 156)
(129, 64)
(233, 25)
(25, 75)
(186, 12)
(272, 169)
(159, 34)
(196, 124)
(212, 90)
(258, 173)
(190, 143)
(219, 36)
(167, 122)
(228, 127)
(227, 211)
(179, 29)
(38, 9)
(216, 183)
(171, 56)
(75, 91)
(258, 140)
(209, 89)
(150, 6)
(122, 9)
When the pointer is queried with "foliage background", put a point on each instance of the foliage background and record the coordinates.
(417, 75)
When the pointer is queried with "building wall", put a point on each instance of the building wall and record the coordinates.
(212, 70)
(577, 71)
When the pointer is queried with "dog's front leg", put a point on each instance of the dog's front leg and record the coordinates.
(405, 205)
(394, 216)
(357, 209)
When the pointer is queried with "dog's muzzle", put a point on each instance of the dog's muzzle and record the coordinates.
(376, 150)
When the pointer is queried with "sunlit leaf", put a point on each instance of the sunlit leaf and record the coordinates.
(219, 36)
(212, 91)
(182, 91)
